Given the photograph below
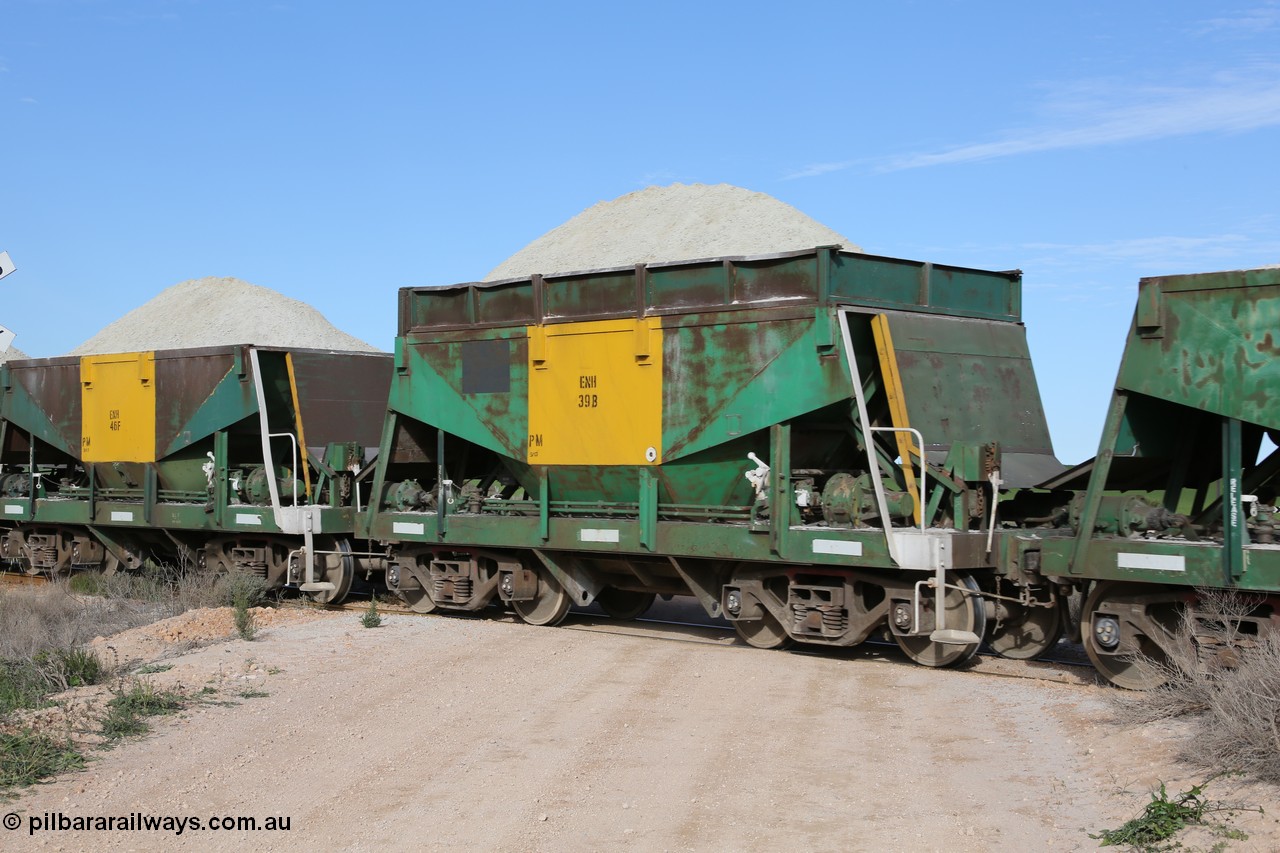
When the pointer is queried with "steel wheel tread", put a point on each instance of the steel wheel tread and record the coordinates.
(341, 573)
(964, 612)
(763, 633)
(1028, 632)
(548, 607)
(1145, 671)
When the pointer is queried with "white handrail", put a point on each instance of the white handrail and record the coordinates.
(868, 439)
(924, 502)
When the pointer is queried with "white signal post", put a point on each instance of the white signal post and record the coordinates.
(6, 336)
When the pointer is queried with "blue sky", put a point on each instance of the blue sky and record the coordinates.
(338, 151)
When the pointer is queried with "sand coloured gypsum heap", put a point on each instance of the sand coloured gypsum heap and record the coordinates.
(215, 312)
(676, 222)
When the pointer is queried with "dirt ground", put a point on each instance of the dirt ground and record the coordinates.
(484, 733)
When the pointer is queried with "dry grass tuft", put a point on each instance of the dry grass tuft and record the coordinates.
(1227, 685)
(51, 617)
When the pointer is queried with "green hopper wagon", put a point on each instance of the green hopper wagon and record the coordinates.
(809, 443)
(236, 457)
(1183, 493)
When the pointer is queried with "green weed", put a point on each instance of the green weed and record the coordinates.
(127, 710)
(27, 757)
(21, 685)
(26, 683)
(153, 668)
(1164, 818)
(67, 668)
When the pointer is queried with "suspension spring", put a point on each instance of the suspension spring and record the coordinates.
(453, 589)
(255, 568)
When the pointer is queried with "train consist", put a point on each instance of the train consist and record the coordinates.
(819, 446)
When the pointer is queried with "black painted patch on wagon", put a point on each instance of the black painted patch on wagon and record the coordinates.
(486, 367)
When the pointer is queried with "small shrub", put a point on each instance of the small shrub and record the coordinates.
(195, 587)
(76, 667)
(243, 591)
(27, 757)
(372, 618)
(238, 589)
(86, 583)
(1227, 684)
(144, 586)
(246, 627)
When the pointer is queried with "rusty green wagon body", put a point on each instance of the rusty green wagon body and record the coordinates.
(226, 456)
(746, 430)
(1182, 494)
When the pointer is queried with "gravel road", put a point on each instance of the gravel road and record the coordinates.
(479, 732)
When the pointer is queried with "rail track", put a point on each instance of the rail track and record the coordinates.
(16, 579)
(1068, 668)
(1061, 669)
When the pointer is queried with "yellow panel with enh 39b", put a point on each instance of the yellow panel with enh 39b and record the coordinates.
(595, 393)
(118, 407)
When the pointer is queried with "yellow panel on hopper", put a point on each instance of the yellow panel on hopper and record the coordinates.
(118, 400)
(595, 393)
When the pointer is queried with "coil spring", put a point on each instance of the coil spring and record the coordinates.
(835, 620)
(44, 557)
(255, 569)
(453, 589)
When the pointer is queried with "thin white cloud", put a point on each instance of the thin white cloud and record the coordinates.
(1159, 254)
(658, 176)
(1096, 113)
(1152, 114)
(1249, 22)
(1145, 248)
(815, 169)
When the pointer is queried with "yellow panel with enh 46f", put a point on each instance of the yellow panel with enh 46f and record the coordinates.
(595, 393)
(118, 407)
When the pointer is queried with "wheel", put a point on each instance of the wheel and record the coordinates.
(624, 603)
(1116, 630)
(964, 612)
(418, 600)
(338, 569)
(763, 633)
(1027, 632)
(548, 606)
